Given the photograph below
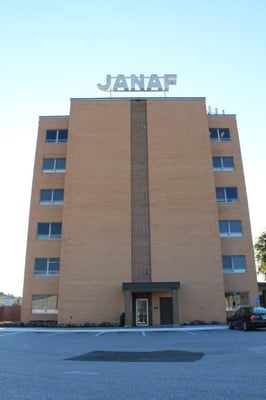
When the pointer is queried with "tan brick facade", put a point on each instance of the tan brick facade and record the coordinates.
(140, 218)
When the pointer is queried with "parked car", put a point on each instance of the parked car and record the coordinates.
(247, 317)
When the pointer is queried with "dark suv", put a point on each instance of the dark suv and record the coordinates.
(247, 317)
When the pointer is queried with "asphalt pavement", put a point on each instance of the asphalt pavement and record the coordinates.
(209, 363)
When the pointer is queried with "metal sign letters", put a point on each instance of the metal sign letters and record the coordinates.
(140, 83)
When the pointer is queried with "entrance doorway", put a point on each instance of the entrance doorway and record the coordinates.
(142, 312)
(166, 311)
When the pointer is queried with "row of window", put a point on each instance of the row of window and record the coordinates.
(56, 196)
(53, 230)
(61, 135)
(51, 266)
(227, 228)
(48, 303)
(58, 165)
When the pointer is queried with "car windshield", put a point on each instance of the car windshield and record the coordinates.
(259, 310)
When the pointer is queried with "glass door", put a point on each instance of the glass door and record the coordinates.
(142, 312)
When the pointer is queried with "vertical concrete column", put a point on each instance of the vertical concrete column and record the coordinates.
(128, 308)
(175, 306)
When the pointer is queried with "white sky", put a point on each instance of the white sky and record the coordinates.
(52, 50)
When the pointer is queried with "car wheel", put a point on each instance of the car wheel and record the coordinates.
(245, 326)
(230, 325)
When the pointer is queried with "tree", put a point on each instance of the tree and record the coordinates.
(260, 253)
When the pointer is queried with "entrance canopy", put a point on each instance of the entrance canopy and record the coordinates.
(150, 286)
(131, 289)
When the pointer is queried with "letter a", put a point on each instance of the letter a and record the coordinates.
(120, 83)
(154, 83)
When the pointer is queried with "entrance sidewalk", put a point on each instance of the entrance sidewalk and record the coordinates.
(118, 329)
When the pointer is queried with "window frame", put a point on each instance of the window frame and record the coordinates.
(54, 169)
(48, 263)
(235, 299)
(51, 202)
(222, 159)
(58, 133)
(230, 232)
(219, 137)
(44, 299)
(233, 261)
(50, 235)
(226, 199)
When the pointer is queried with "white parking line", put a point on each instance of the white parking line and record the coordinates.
(53, 334)
(77, 372)
(99, 334)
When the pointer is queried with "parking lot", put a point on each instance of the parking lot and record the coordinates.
(54, 364)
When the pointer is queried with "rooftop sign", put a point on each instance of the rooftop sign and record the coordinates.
(140, 83)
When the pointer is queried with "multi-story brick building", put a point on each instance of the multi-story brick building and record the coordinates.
(138, 206)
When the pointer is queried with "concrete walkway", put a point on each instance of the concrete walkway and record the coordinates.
(118, 329)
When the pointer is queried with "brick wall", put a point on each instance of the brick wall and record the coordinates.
(10, 313)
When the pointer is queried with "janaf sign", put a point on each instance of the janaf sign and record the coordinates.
(138, 83)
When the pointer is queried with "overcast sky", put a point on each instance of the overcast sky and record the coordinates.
(52, 50)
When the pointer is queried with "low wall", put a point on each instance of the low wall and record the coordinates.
(10, 313)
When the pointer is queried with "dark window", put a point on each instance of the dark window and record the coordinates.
(219, 134)
(51, 196)
(226, 195)
(47, 266)
(49, 230)
(234, 264)
(56, 136)
(223, 163)
(230, 228)
(54, 165)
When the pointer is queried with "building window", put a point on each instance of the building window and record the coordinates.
(226, 195)
(223, 163)
(234, 264)
(47, 266)
(52, 165)
(49, 230)
(51, 196)
(219, 134)
(56, 136)
(235, 299)
(230, 228)
(44, 304)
